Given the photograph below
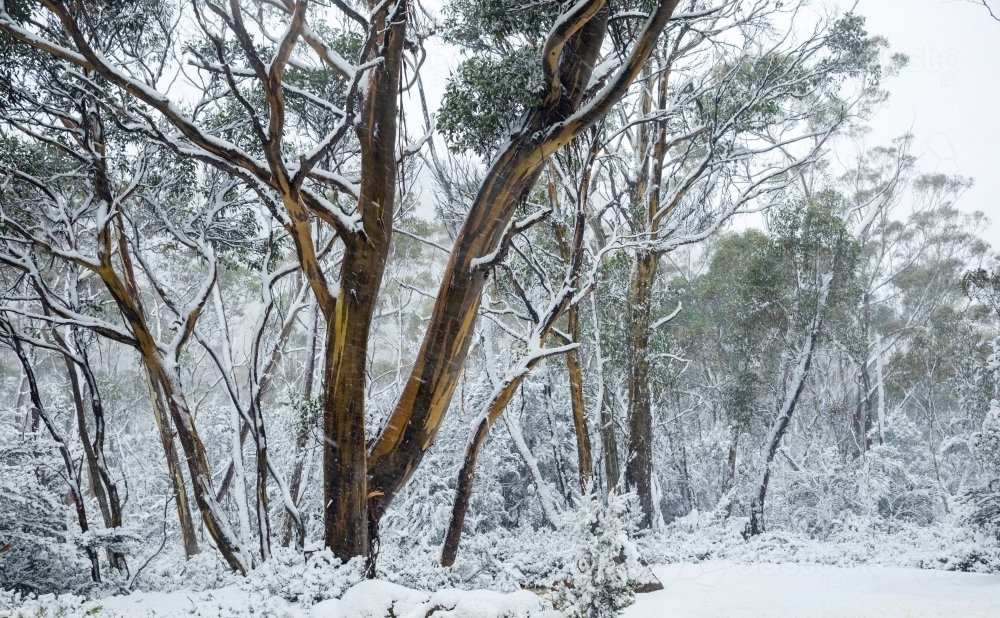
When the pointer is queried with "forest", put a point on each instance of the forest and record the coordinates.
(282, 327)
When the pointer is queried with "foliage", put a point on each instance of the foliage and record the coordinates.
(603, 575)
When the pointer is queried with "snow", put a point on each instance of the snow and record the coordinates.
(367, 599)
(702, 590)
(796, 590)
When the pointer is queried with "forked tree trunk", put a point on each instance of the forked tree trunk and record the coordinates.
(414, 423)
(345, 466)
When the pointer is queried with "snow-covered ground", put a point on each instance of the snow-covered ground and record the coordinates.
(709, 589)
(716, 589)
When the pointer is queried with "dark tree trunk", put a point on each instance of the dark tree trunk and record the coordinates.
(609, 442)
(463, 493)
(104, 487)
(639, 468)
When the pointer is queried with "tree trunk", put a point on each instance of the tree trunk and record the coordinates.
(189, 538)
(729, 480)
(784, 417)
(418, 416)
(74, 486)
(583, 450)
(104, 487)
(212, 513)
(162, 374)
(345, 466)
(111, 488)
(236, 428)
(496, 406)
(463, 493)
(639, 469)
(609, 441)
(302, 431)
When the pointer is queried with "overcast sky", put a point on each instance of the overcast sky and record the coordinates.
(949, 95)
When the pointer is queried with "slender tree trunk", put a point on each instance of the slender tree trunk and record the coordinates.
(236, 427)
(730, 478)
(583, 449)
(784, 417)
(189, 538)
(881, 389)
(609, 441)
(605, 410)
(305, 422)
(502, 395)
(504, 391)
(104, 487)
(463, 493)
(71, 479)
(213, 516)
(163, 375)
(96, 486)
(639, 469)
(110, 487)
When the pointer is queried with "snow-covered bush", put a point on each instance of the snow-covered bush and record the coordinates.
(14, 605)
(40, 540)
(983, 502)
(306, 581)
(602, 579)
(854, 540)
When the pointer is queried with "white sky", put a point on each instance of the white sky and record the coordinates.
(949, 95)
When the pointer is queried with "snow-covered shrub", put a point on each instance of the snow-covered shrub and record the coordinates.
(503, 560)
(307, 581)
(982, 503)
(171, 571)
(602, 579)
(41, 539)
(14, 605)
(947, 544)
